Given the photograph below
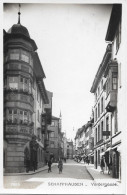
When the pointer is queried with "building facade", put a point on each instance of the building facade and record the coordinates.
(102, 118)
(64, 146)
(107, 86)
(69, 149)
(24, 99)
(116, 91)
(54, 149)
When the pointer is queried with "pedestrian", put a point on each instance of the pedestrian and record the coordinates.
(88, 161)
(102, 164)
(60, 165)
(34, 165)
(109, 166)
(27, 165)
(49, 165)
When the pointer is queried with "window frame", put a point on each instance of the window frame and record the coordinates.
(114, 76)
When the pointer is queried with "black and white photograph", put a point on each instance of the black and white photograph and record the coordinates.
(64, 86)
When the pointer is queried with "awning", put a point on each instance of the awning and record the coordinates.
(40, 144)
(50, 131)
(108, 149)
(119, 148)
(115, 147)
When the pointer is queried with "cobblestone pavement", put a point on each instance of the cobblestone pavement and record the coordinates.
(71, 169)
(74, 179)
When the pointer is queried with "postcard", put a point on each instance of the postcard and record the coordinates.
(64, 86)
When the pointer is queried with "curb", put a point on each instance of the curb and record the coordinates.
(24, 173)
(89, 173)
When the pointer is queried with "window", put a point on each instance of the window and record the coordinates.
(52, 134)
(21, 79)
(107, 86)
(23, 116)
(102, 128)
(13, 82)
(96, 96)
(30, 117)
(40, 101)
(30, 87)
(98, 91)
(25, 113)
(15, 111)
(21, 112)
(98, 157)
(25, 56)
(99, 110)
(102, 106)
(52, 145)
(114, 80)
(107, 126)
(101, 84)
(116, 120)
(12, 115)
(24, 84)
(98, 132)
(96, 135)
(119, 75)
(96, 113)
(31, 60)
(38, 116)
(25, 80)
(10, 111)
(14, 56)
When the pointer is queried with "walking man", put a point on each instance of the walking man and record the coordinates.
(102, 164)
(49, 165)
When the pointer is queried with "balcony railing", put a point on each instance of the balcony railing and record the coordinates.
(17, 122)
(15, 91)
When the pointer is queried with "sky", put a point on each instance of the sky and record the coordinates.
(71, 45)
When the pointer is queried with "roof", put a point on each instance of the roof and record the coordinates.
(19, 29)
(106, 58)
(43, 91)
(12, 35)
(113, 22)
(39, 72)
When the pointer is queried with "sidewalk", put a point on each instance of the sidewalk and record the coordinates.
(96, 174)
(45, 167)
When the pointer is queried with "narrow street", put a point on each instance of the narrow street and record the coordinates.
(71, 170)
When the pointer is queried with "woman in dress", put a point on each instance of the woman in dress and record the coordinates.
(60, 165)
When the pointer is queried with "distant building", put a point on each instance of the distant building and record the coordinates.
(53, 149)
(84, 141)
(69, 149)
(89, 142)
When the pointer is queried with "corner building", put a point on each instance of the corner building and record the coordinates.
(24, 99)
